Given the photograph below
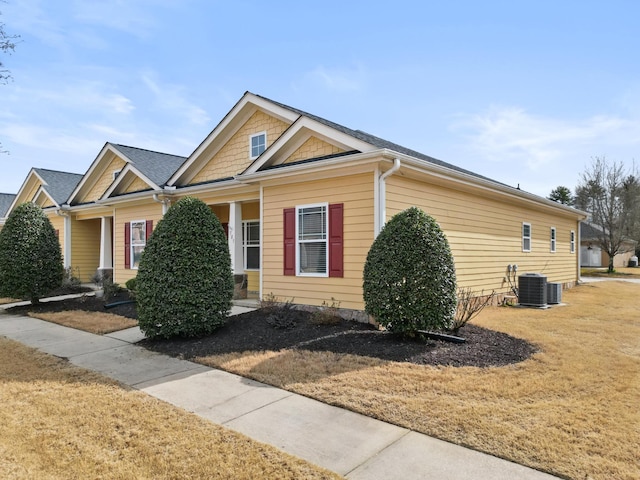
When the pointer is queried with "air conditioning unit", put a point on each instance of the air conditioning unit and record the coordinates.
(532, 290)
(554, 292)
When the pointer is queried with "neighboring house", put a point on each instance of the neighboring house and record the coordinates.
(302, 199)
(6, 199)
(49, 189)
(592, 255)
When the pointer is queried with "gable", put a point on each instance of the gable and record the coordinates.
(101, 180)
(43, 200)
(136, 185)
(234, 156)
(313, 147)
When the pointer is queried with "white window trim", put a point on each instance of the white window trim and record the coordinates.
(326, 240)
(138, 244)
(245, 224)
(523, 236)
(553, 239)
(251, 137)
(572, 241)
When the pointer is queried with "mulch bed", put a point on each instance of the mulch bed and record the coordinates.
(258, 330)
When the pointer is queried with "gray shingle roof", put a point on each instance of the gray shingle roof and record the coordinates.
(156, 166)
(379, 142)
(6, 199)
(59, 185)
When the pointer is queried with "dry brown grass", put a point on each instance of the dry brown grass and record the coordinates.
(571, 410)
(5, 300)
(627, 272)
(61, 422)
(92, 322)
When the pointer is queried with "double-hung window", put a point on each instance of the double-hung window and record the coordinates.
(257, 144)
(572, 242)
(526, 237)
(251, 244)
(552, 239)
(138, 241)
(312, 240)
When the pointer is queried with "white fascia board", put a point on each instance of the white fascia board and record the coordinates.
(314, 128)
(32, 172)
(43, 191)
(249, 103)
(92, 168)
(129, 168)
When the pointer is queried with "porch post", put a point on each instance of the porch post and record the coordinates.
(235, 237)
(67, 241)
(106, 249)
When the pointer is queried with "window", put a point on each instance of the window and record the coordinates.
(138, 241)
(251, 244)
(573, 242)
(257, 144)
(526, 237)
(552, 239)
(311, 234)
(313, 240)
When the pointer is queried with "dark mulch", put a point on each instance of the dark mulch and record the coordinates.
(258, 330)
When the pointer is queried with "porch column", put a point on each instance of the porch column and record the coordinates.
(235, 238)
(106, 247)
(67, 241)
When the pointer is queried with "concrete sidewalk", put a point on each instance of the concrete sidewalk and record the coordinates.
(348, 443)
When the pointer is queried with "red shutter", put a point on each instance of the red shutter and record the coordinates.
(127, 245)
(336, 242)
(58, 234)
(148, 230)
(289, 241)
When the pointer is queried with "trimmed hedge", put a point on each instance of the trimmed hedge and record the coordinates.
(409, 276)
(184, 285)
(30, 256)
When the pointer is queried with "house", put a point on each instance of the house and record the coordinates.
(6, 199)
(302, 199)
(49, 189)
(592, 255)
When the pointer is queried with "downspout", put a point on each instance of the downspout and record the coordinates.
(382, 194)
(166, 202)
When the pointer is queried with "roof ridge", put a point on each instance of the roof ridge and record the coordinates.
(147, 150)
(57, 171)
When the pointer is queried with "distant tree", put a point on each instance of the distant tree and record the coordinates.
(7, 45)
(409, 278)
(611, 193)
(184, 284)
(30, 257)
(562, 195)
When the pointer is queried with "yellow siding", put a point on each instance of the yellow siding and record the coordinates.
(356, 192)
(234, 156)
(251, 211)
(313, 148)
(253, 281)
(485, 235)
(147, 211)
(58, 225)
(29, 191)
(137, 185)
(85, 247)
(103, 182)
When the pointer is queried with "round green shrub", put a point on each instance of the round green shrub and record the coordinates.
(184, 284)
(409, 276)
(30, 256)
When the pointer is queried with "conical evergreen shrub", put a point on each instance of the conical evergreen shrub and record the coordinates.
(184, 285)
(409, 276)
(30, 256)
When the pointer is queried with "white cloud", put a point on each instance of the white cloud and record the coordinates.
(174, 100)
(338, 79)
(510, 134)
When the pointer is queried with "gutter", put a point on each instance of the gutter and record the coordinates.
(382, 195)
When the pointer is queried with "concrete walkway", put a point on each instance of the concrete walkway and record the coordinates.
(347, 443)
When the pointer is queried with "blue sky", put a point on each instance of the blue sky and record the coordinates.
(524, 92)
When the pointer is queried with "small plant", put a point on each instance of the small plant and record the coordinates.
(269, 302)
(71, 277)
(282, 315)
(469, 305)
(110, 288)
(327, 314)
